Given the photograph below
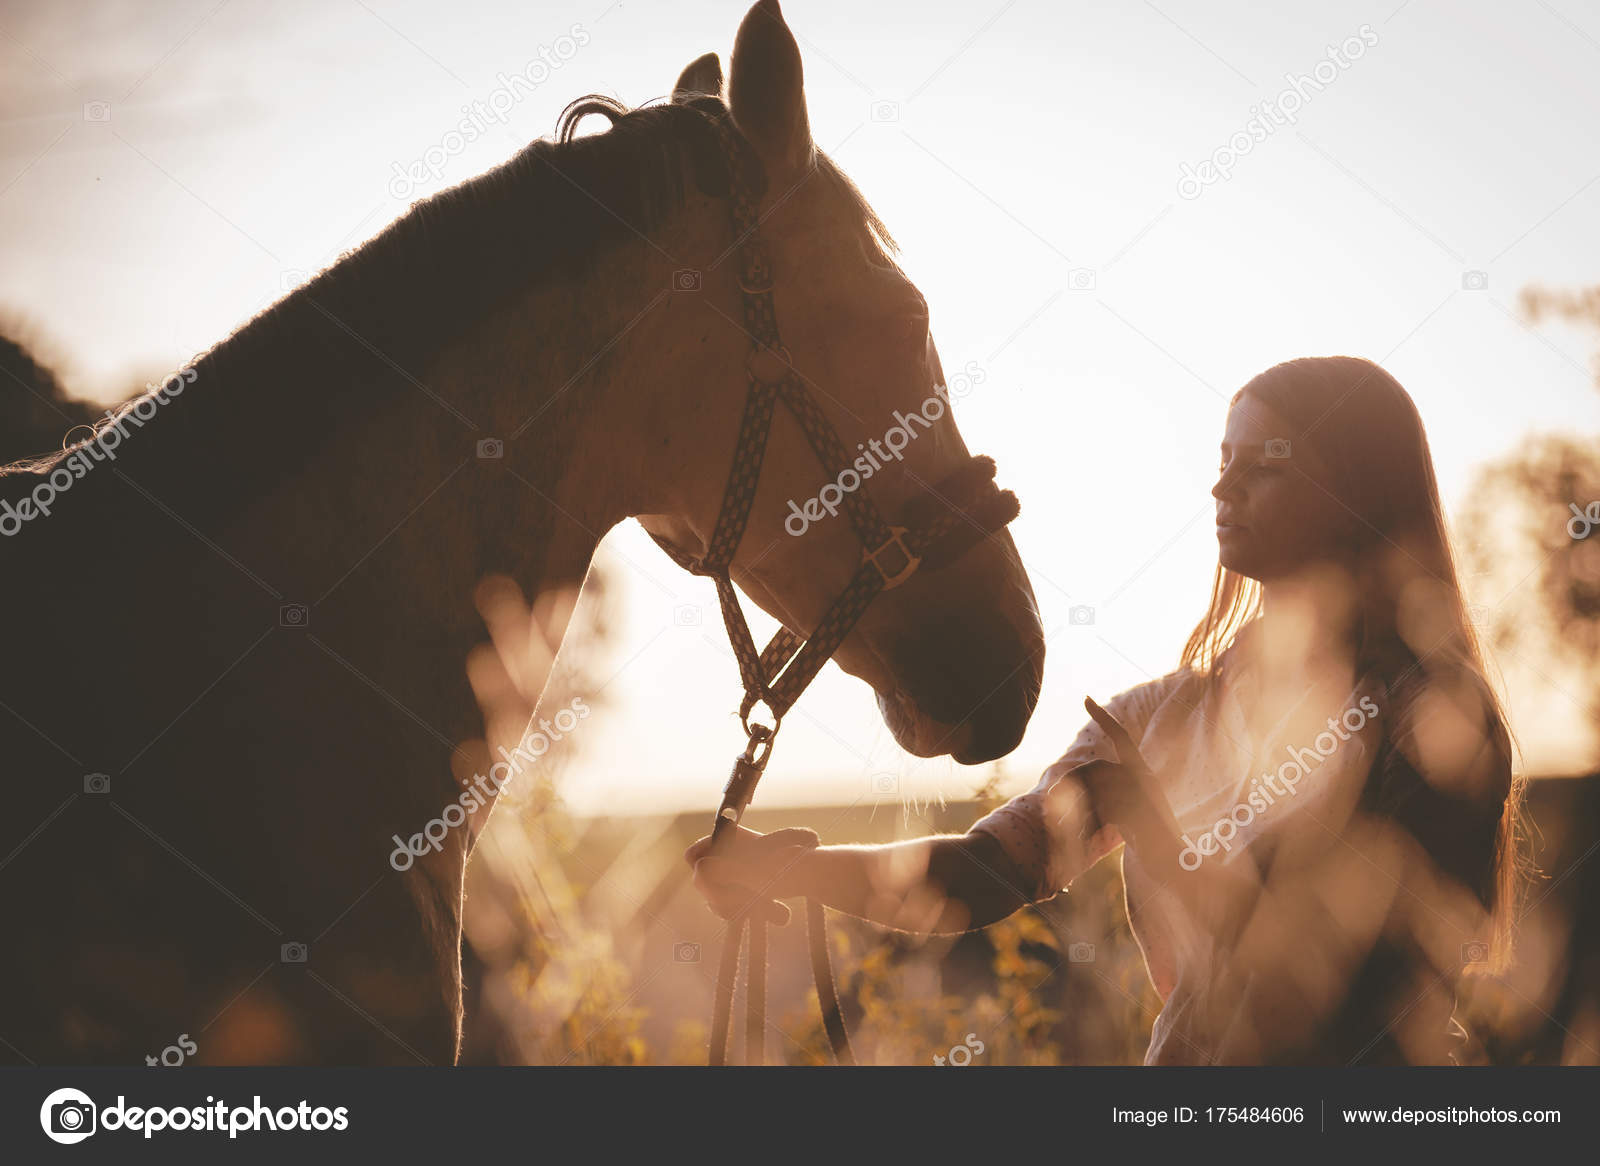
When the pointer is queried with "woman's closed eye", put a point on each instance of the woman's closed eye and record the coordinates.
(1261, 467)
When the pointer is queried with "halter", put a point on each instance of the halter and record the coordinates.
(942, 525)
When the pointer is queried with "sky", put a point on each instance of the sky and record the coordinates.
(1054, 173)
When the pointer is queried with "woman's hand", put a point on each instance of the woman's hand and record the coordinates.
(750, 872)
(1127, 793)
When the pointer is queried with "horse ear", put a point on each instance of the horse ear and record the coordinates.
(766, 89)
(703, 75)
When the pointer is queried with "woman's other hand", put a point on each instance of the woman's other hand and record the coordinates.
(1128, 794)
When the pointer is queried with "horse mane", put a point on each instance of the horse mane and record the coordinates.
(381, 310)
(378, 314)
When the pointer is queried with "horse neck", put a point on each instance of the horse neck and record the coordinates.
(585, 384)
(340, 485)
(562, 376)
(619, 394)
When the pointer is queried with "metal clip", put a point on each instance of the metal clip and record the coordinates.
(741, 788)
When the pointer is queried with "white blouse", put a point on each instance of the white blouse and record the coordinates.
(1229, 788)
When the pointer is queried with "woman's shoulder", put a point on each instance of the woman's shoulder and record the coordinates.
(1142, 701)
(1179, 694)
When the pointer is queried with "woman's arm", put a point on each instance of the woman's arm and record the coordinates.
(1022, 853)
(942, 884)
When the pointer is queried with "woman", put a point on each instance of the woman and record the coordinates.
(1317, 808)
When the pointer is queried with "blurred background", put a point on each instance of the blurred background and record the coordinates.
(1110, 250)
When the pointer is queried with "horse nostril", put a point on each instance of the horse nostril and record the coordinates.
(996, 726)
(976, 675)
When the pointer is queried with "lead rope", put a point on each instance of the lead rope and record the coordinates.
(747, 770)
(962, 510)
(756, 983)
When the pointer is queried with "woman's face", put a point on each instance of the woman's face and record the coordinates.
(1276, 509)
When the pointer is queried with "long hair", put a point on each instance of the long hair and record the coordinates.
(1411, 627)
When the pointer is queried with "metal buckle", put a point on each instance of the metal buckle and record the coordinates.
(896, 539)
(762, 359)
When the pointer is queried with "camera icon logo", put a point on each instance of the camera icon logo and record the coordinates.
(1081, 953)
(885, 112)
(886, 785)
(1081, 279)
(1474, 951)
(1080, 615)
(491, 447)
(960, 1056)
(1474, 281)
(290, 278)
(293, 615)
(686, 953)
(1582, 522)
(96, 111)
(97, 783)
(686, 279)
(67, 1116)
(293, 953)
(686, 615)
(1277, 447)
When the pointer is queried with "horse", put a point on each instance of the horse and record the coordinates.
(236, 630)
